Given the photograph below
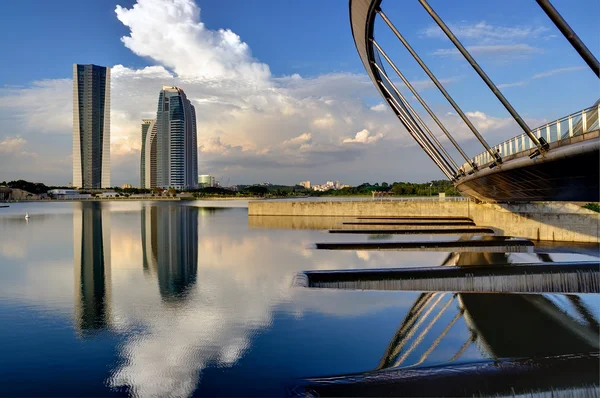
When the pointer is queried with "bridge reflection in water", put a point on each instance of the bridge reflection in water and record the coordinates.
(528, 342)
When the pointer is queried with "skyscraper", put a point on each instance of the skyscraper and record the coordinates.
(91, 126)
(176, 148)
(148, 160)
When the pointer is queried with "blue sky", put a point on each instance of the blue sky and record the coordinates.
(258, 122)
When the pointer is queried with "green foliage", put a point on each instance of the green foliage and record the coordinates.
(397, 188)
(31, 187)
(131, 191)
(256, 190)
(593, 207)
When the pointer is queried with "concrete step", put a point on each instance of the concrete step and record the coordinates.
(417, 231)
(417, 218)
(563, 277)
(411, 223)
(495, 244)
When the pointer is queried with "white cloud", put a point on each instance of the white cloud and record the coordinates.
(325, 122)
(303, 139)
(485, 122)
(496, 50)
(247, 119)
(12, 144)
(557, 71)
(485, 32)
(44, 107)
(543, 75)
(171, 33)
(379, 107)
(514, 84)
(364, 137)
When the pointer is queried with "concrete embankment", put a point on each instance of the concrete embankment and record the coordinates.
(551, 221)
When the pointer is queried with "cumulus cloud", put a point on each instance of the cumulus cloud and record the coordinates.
(251, 125)
(364, 137)
(171, 33)
(12, 144)
(379, 107)
(303, 139)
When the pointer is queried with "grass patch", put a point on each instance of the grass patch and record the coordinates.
(593, 207)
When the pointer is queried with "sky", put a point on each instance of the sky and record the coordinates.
(279, 90)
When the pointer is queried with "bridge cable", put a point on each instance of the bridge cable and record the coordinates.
(412, 131)
(484, 76)
(412, 112)
(424, 104)
(570, 35)
(482, 140)
(416, 136)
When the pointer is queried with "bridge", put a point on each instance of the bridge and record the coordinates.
(554, 162)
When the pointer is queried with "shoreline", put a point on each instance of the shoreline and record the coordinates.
(158, 199)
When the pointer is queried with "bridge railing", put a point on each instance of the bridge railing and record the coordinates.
(575, 124)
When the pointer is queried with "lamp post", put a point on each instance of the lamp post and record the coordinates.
(430, 185)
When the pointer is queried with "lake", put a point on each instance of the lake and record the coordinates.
(193, 298)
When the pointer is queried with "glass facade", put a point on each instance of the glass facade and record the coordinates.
(91, 126)
(148, 155)
(176, 148)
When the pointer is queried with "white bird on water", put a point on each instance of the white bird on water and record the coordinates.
(27, 216)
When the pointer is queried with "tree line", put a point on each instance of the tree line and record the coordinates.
(396, 188)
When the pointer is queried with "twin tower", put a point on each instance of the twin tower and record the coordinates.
(169, 144)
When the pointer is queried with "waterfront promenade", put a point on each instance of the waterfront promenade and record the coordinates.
(546, 221)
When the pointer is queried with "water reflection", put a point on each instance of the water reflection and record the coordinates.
(502, 325)
(194, 301)
(444, 328)
(170, 247)
(91, 245)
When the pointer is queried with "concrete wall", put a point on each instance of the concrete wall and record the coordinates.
(355, 209)
(552, 221)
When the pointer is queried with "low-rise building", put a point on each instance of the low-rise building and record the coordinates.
(305, 184)
(67, 194)
(206, 180)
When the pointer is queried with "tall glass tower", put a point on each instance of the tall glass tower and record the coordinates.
(176, 145)
(148, 160)
(91, 126)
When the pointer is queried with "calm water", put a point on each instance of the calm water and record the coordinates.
(175, 299)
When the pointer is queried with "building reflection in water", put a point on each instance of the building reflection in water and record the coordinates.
(170, 248)
(91, 246)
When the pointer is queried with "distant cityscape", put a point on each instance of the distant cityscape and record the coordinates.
(328, 186)
(169, 153)
(169, 150)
